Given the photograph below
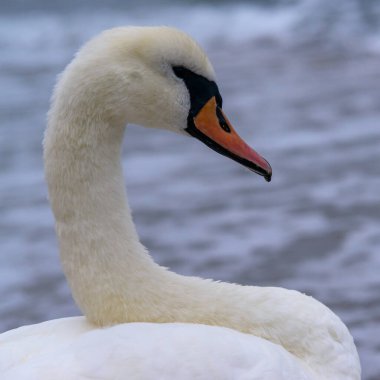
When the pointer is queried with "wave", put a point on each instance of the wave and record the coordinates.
(343, 23)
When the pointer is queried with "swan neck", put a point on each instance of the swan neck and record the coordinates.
(99, 247)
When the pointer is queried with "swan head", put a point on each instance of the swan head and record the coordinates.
(157, 77)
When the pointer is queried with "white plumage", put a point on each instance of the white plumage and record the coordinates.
(125, 76)
(71, 349)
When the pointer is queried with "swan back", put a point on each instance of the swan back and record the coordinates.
(142, 351)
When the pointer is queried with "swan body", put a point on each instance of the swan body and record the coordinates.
(143, 351)
(183, 327)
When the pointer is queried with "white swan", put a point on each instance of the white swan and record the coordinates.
(156, 77)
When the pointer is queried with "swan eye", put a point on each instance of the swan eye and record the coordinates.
(201, 89)
(179, 71)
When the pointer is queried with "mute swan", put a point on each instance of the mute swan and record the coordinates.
(157, 77)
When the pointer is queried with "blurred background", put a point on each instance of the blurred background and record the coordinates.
(300, 81)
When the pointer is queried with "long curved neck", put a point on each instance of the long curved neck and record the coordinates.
(99, 246)
(114, 280)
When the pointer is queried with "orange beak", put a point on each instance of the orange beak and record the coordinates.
(212, 127)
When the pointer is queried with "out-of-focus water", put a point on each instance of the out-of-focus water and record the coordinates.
(300, 82)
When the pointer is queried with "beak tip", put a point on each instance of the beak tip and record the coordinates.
(267, 171)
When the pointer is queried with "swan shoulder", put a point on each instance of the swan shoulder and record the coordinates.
(72, 349)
